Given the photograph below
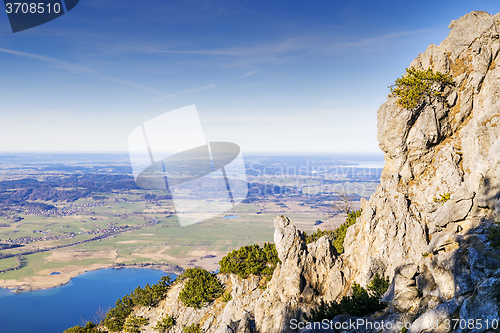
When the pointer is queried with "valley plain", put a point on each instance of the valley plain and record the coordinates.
(64, 214)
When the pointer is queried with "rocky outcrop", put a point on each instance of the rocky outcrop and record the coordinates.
(306, 272)
(234, 316)
(435, 252)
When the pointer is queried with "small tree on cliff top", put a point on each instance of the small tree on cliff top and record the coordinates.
(417, 85)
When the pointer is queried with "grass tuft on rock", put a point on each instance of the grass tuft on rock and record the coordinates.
(443, 198)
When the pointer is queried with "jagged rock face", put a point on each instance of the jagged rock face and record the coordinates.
(446, 145)
(306, 273)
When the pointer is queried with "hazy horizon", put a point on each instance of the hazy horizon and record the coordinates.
(246, 153)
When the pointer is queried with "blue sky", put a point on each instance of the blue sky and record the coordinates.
(273, 76)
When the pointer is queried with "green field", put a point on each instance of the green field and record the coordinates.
(162, 243)
(124, 225)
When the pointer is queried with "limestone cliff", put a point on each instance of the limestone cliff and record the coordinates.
(435, 252)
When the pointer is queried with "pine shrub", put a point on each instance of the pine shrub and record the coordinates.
(318, 234)
(165, 324)
(361, 303)
(251, 259)
(193, 328)
(201, 288)
(90, 327)
(340, 232)
(417, 85)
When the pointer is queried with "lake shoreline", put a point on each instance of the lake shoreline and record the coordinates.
(86, 298)
(66, 275)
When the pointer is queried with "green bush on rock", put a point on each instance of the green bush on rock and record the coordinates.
(90, 327)
(361, 303)
(251, 259)
(338, 235)
(318, 234)
(443, 198)
(341, 231)
(201, 288)
(378, 286)
(193, 328)
(226, 297)
(165, 324)
(417, 85)
(133, 324)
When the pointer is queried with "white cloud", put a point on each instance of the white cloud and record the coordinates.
(249, 74)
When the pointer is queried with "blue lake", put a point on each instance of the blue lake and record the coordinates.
(54, 310)
(230, 217)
